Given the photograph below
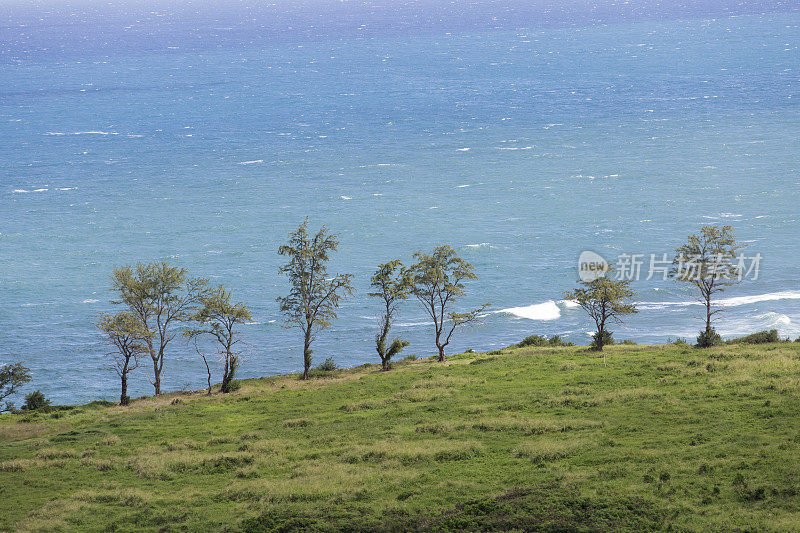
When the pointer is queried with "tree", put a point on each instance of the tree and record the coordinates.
(35, 400)
(709, 261)
(314, 298)
(161, 297)
(12, 377)
(604, 299)
(391, 288)
(125, 332)
(437, 282)
(219, 318)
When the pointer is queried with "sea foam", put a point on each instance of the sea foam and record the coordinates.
(548, 310)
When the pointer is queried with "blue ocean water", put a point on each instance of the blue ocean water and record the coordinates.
(520, 148)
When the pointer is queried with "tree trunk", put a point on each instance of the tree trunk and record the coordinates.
(600, 337)
(156, 376)
(307, 354)
(226, 377)
(442, 358)
(123, 397)
(208, 373)
(708, 316)
(385, 364)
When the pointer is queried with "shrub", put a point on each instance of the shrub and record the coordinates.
(329, 365)
(35, 400)
(762, 337)
(538, 340)
(707, 339)
(532, 340)
(628, 342)
(680, 342)
(410, 357)
(608, 340)
(555, 340)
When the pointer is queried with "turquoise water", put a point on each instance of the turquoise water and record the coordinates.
(519, 148)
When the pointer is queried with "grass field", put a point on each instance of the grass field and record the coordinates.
(658, 438)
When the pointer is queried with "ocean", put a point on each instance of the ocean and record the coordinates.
(519, 147)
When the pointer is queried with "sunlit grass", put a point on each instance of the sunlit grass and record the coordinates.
(656, 437)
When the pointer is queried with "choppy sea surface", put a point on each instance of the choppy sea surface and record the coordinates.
(520, 148)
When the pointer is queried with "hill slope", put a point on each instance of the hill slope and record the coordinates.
(530, 438)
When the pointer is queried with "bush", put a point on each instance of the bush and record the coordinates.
(35, 400)
(410, 357)
(762, 337)
(538, 340)
(707, 339)
(608, 340)
(679, 342)
(628, 342)
(532, 340)
(329, 365)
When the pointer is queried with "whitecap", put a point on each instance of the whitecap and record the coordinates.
(94, 133)
(727, 302)
(346, 197)
(253, 162)
(462, 149)
(462, 186)
(90, 301)
(480, 245)
(544, 311)
(413, 324)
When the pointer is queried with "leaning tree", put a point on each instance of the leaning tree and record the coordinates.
(161, 297)
(125, 332)
(437, 280)
(12, 377)
(219, 318)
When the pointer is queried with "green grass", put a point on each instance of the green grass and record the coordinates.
(530, 439)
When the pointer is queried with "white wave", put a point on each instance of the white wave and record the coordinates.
(775, 320)
(66, 188)
(480, 245)
(569, 304)
(346, 197)
(20, 191)
(548, 310)
(462, 149)
(727, 302)
(462, 186)
(413, 324)
(94, 133)
(253, 162)
(39, 190)
(90, 301)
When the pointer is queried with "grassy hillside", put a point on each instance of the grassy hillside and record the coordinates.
(539, 438)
